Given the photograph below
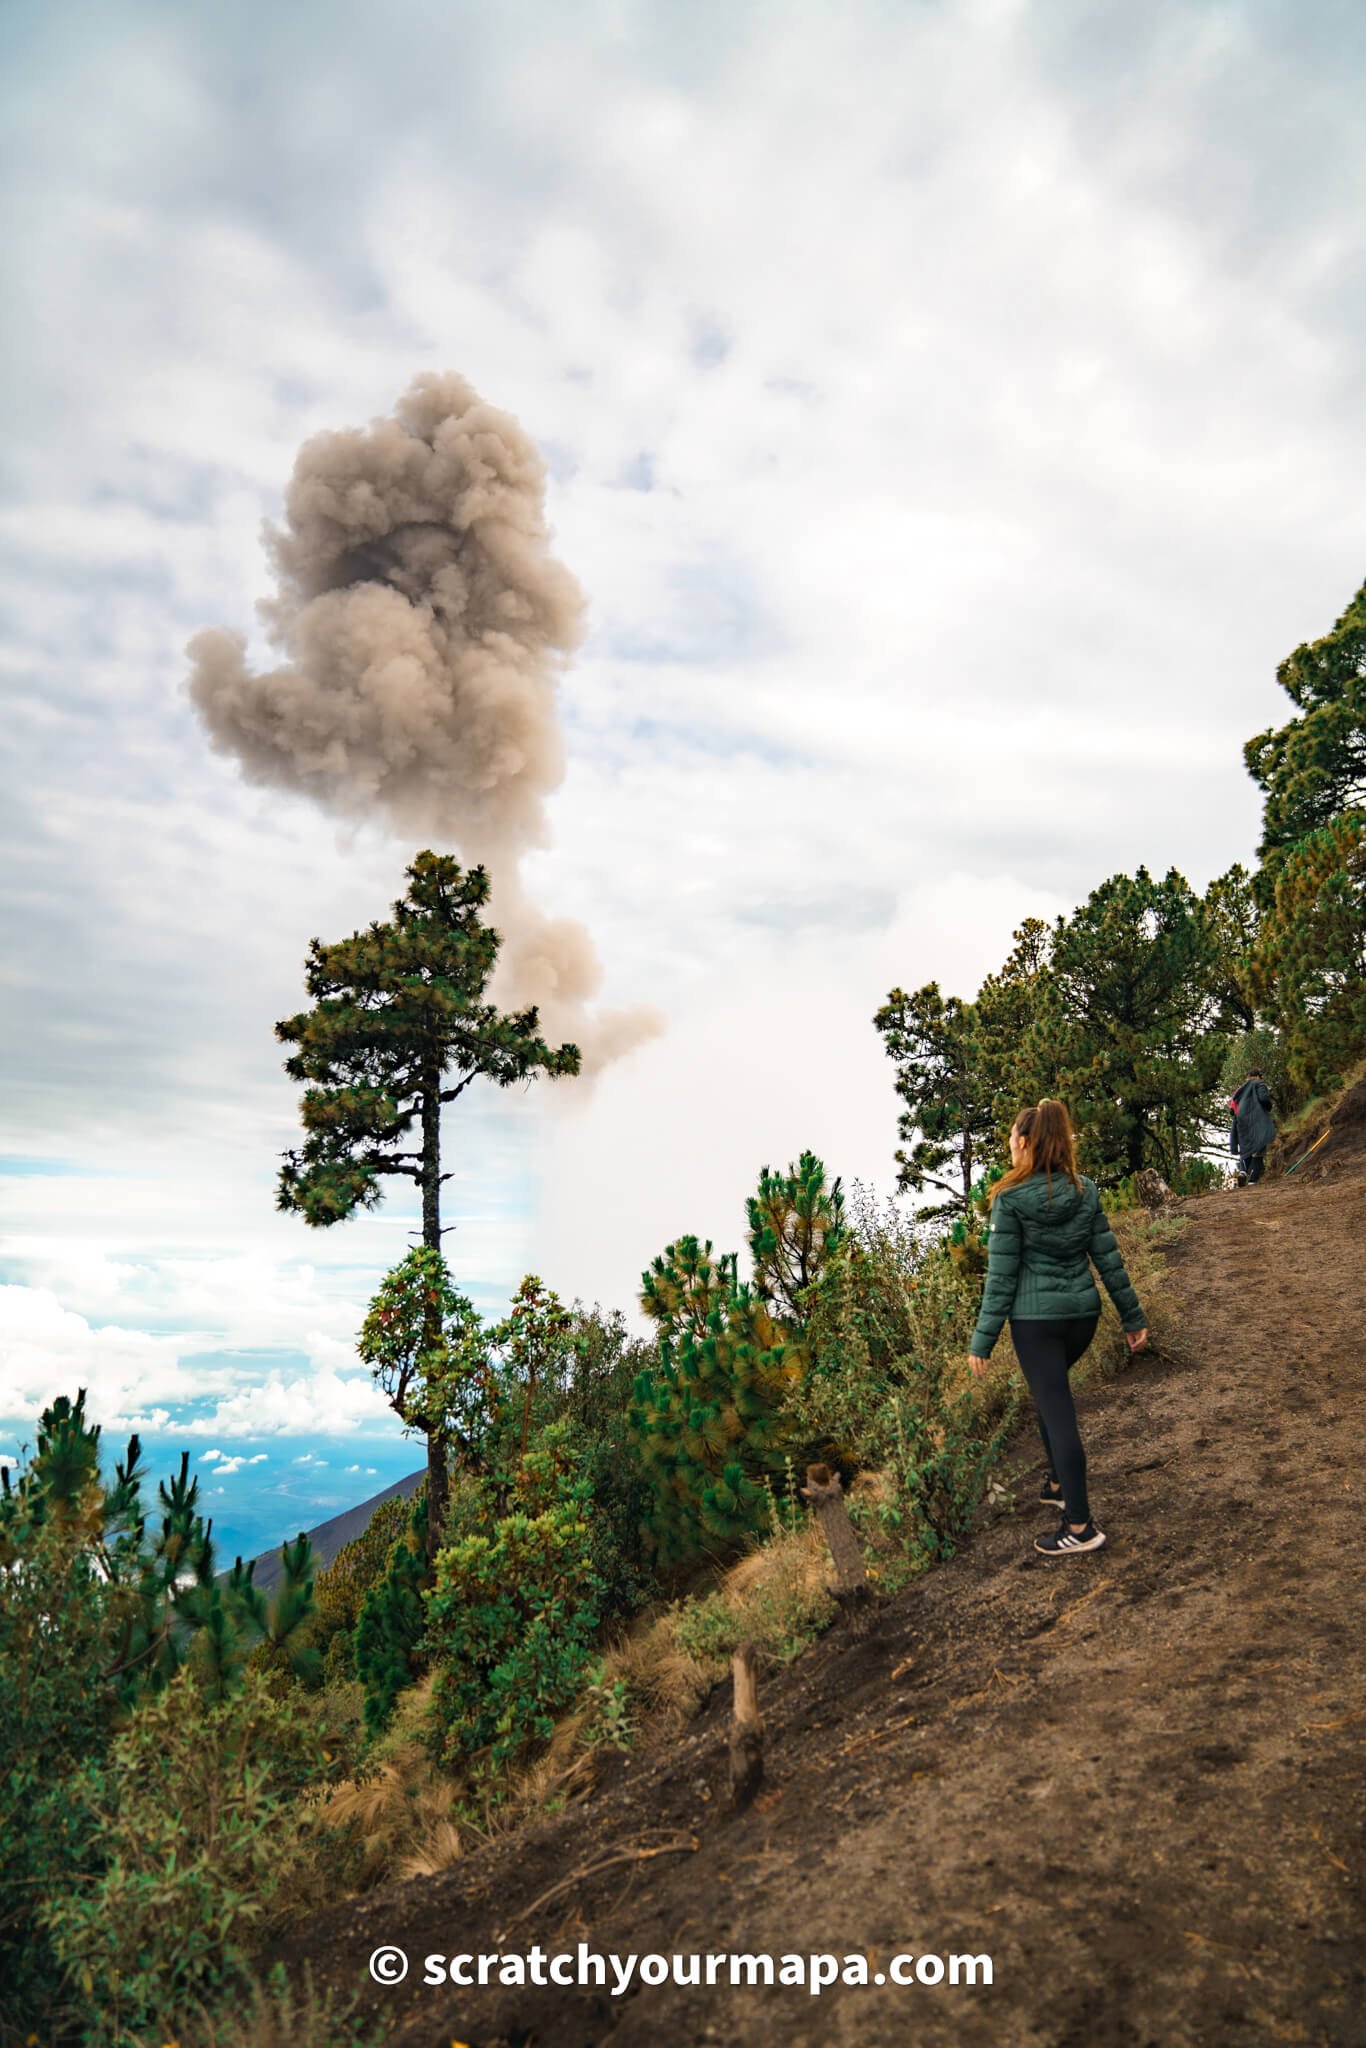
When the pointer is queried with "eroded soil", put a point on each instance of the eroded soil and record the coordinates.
(1133, 1779)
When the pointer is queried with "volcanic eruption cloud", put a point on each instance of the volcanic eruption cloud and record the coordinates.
(423, 624)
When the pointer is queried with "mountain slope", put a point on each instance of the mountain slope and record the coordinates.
(331, 1536)
(1133, 1779)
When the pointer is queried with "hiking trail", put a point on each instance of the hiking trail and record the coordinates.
(1134, 1779)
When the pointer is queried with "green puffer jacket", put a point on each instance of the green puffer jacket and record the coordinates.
(1043, 1238)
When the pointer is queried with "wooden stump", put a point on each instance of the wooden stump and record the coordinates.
(851, 1588)
(746, 1728)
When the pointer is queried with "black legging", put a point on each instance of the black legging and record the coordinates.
(1047, 1351)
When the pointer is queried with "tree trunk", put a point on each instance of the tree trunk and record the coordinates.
(438, 1489)
(851, 1588)
(747, 1728)
(431, 1157)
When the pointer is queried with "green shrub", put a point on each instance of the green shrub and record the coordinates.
(707, 1415)
(611, 1721)
(54, 1714)
(709, 1629)
(198, 1836)
(1197, 1177)
(100, 1606)
(275, 2014)
(778, 1599)
(784, 1614)
(389, 1631)
(513, 1614)
(607, 1361)
(887, 1384)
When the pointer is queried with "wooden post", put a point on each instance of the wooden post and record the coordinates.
(826, 1495)
(746, 1729)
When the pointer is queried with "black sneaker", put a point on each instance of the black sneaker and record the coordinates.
(1062, 1541)
(1050, 1496)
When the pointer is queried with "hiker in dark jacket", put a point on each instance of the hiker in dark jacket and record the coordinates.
(1047, 1225)
(1253, 1127)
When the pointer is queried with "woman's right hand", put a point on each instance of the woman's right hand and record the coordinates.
(1135, 1339)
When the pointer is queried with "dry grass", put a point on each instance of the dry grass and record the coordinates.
(1299, 1131)
(1143, 1242)
(404, 1817)
(665, 1679)
(408, 1818)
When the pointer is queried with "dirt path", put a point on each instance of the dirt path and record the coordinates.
(1133, 1779)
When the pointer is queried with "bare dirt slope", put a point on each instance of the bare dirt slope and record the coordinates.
(1133, 1779)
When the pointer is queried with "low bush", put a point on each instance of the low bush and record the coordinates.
(387, 1645)
(512, 1617)
(198, 1838)
(776, 1598)
(887, 1382)
(275, 2014)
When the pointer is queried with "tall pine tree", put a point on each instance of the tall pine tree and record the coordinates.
(1232, 926)
(1310, 968)
(1314, 768)
(1010, 1016)
(1132, 1022)
(948, 1120)
(1309, 965)
(399, 1028)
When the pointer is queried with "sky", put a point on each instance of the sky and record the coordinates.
(952, 413)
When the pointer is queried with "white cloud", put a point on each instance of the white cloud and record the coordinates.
(133, 1378)
(230, 1465)
(319, 1404)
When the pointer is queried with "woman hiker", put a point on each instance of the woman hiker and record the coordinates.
(1047, 1224)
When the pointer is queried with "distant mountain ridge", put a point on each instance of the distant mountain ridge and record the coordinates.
(331, 1536)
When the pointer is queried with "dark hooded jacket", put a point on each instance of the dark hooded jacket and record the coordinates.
(1044, 1235)
(1252, 1120)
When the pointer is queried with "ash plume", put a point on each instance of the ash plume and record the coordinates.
(424, 625)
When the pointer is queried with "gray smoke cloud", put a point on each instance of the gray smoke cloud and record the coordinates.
(424, 625)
